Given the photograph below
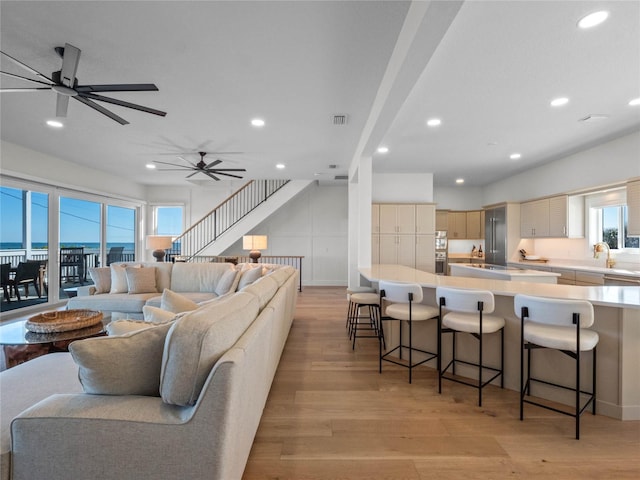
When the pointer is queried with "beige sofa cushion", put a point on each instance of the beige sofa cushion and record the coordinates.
(197, 340)
(228, 281)
(124, 365)
(101, 277)
(157, 315)
(249, 275)
(264, 288)
(197, 277)
(176, 303)
(280, 275)
(141, 280)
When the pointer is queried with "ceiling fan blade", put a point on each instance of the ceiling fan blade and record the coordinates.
(34, 89)
(173, 164)
(70, 59)
(123, 87)
(13, 75)
(62, 104)
(213, 164)
(102, 110)
(217, 172)
(28, 68)
(192, 174)
(172, 169)
(122, 103)
(187, 161)
(210, 175)
(229, 169)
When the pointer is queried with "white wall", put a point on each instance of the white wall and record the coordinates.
(313, 225)
(31, 165)
(608, 163)
(402, 188)
(458, 198)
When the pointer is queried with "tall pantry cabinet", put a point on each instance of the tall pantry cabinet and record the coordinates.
(404, 234)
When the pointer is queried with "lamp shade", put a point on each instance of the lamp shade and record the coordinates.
(159, 242)
(254, 242)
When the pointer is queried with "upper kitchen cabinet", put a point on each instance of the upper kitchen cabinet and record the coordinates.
(397, 218)
(425, 219)
(633, 206)
(457, 225)
(442, 222)
(556, 217)
(475, 224)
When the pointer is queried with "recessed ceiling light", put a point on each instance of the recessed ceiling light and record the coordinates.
(515, 156)
(383, 149)
(434, 122)
(150, 166)
(257, 122)
(593, 19)
(558, 102)
(635, 102)
(280, 165)
(55, 123)
(459, 180)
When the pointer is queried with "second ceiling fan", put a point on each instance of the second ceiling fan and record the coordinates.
(202, 167)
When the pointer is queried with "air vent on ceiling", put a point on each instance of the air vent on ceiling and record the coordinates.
(340, 119)
(341, 177)
(333, 166)
(594, 117)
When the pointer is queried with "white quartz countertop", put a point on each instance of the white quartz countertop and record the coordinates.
(506, 271)
(578, 267)
(612, 296)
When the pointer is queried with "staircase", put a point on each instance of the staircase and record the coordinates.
(234, 217)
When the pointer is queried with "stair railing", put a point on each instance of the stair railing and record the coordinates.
(203, 233)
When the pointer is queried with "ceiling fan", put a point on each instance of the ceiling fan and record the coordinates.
(65, 84)
(203, 167)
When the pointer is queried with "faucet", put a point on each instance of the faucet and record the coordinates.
(598, 248)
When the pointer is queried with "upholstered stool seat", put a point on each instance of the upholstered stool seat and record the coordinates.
(469, 311)
(351, 291)
(370, 327)
(402, 303)
(563, 325)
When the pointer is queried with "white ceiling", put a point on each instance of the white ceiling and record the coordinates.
(487, 69)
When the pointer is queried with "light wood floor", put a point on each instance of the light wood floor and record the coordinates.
(331, 415)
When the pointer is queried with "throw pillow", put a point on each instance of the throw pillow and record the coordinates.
(157, 315)
(101, 277)
(226, 281)
(176, 303)
(197, 341)
(120, 327)
(129, 364)
(119, 277)
(141, 280)
(249, 276)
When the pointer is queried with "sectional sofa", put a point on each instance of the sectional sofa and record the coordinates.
(182, 399)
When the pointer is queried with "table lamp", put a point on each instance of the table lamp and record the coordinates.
(159, 243)
(255, 243)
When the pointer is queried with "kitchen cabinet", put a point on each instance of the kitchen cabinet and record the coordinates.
(457, 225)
(556, 217)
(633, 208)
(425, 219)
(587, 278)
(397, 219)
(398, 250)
(567, 277)
(404, 234)
(442, 222)
(475, 224)
(425, 253)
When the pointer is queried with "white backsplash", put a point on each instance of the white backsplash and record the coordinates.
(464, 246)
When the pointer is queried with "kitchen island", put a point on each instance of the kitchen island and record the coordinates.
(617, 321)
(499, 272)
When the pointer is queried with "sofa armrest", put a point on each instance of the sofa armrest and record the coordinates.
(97, 436)
(86, 290)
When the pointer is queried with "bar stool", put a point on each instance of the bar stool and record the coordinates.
(405, 305)
(371, 325)
(350, 312)
(467, 312)
(562, 325)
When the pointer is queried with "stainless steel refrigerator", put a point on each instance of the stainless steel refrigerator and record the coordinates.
(495, 235)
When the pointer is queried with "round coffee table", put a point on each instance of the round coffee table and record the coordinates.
(20, 345)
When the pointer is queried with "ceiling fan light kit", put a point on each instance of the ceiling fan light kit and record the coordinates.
(65, 84)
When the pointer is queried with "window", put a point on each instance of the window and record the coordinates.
(168, 221)
(121, 234)
(613, 227)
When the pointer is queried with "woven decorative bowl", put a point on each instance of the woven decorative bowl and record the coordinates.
(63, 321)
